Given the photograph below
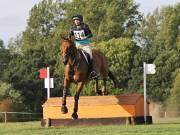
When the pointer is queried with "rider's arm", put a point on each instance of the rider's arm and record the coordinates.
(88, 32)
(71, 33)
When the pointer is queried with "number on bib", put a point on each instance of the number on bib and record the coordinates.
(79, 33)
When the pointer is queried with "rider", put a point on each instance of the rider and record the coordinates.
(82, 35)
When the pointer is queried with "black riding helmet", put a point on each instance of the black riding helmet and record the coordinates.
(78, 17)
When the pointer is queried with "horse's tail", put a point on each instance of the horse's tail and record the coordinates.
(113, 78)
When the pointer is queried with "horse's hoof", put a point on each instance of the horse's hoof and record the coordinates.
(74, 116)
(106, 93)
(64, 109)
(99, 92)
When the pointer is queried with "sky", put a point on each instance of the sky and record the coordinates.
(14, 14)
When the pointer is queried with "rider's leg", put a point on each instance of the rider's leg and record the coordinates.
(93, 73)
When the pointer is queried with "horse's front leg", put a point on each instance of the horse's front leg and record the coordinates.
(76, 98)
(99, 92)
(64, 108)
(104, 89)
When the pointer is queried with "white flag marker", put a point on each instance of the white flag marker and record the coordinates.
(148, 69)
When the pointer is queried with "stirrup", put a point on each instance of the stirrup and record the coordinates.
(93, 75)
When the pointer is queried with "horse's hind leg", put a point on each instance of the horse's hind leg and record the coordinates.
(76, 98)
(104, 88)
(99, 92)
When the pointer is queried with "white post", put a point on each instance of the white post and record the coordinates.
(48, 78)
(5, 117)
(145, 98)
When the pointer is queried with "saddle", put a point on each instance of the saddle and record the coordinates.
(86, 56)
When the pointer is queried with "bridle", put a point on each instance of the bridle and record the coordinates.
(70, 54)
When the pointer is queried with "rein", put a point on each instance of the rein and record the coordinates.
(74, 57)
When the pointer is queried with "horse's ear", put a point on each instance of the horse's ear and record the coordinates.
(63, 37)
(72, 38)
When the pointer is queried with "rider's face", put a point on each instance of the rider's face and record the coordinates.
(77, 22)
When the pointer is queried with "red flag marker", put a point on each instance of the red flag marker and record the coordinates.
(43, 73)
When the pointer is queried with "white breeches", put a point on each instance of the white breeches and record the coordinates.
(86, 48)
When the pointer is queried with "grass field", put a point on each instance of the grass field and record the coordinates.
(33, 128)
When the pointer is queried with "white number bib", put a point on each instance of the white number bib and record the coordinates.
(79, 33)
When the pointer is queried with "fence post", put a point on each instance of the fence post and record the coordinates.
(5, 117)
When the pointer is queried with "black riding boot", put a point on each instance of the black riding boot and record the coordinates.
(93, 73)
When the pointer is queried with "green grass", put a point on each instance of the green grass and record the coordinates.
(34, 128)
(167, 120)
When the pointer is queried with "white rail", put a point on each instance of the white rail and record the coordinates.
(23, 113)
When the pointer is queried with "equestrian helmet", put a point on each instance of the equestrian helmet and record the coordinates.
(78, 17)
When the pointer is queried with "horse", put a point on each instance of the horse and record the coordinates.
(74, 59)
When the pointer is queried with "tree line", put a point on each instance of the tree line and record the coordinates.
(126, 36)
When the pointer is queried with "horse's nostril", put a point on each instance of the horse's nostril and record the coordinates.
(65, 61)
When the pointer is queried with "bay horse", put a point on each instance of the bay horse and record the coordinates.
(73, 58)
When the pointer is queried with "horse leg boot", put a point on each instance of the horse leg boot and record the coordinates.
(99, 92)
(93, 73)
(104, 89)
(76, 98)
(64, 109)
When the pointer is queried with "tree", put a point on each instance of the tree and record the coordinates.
(160, 35)
(135, 82)
(114, 24)
(1, 43)
(120, 53)
(108, 19)
(15, 45)
(8, 92)
(43, 19)
(10, 99)
(23, 74)
(169, 33)
(5, 58)
(173, 102)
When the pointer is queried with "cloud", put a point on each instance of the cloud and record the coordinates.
(11, 21)
(10, 26)
(14, 13)
(13, 16)
(149, 6)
